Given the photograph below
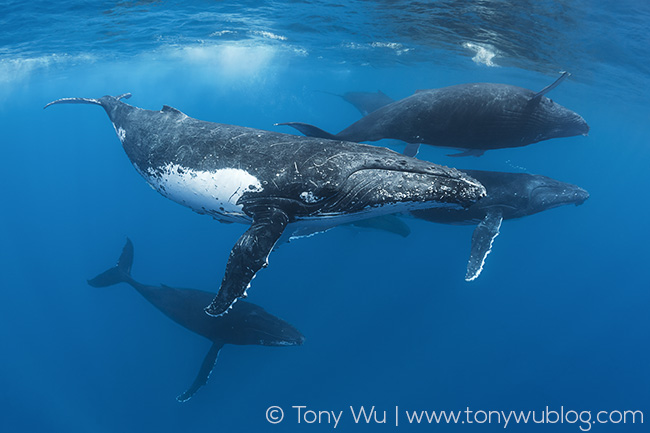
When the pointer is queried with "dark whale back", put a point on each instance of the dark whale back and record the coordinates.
(469, 116)
(247, 323)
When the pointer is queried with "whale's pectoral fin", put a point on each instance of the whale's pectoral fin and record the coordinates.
(204, 373)
(537, 96)
(482, 239)
(309, 130)
(468, 152)
(248, 256)
(411, 149)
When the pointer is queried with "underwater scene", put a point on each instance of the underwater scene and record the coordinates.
(315, 216)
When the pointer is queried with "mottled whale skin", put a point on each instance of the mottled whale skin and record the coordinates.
(509, 195)
(247, 324)
(273, 182)
(475, 117)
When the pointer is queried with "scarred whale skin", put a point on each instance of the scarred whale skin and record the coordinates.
(274, 182)
(247, 323)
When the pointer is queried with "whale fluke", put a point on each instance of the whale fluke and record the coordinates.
(365, 102)
(119, 273)
(309, 130)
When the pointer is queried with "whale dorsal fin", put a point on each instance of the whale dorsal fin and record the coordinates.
(537, 96)
(482, 239)
(168, 109)
(204, 372)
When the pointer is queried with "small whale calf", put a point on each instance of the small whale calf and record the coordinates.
(474, 117)
(509, 195)
(273, 182)
(247, 324)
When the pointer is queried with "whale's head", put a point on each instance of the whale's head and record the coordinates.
(551, 120)
(546, 193)
(521, 194)
(251, 324)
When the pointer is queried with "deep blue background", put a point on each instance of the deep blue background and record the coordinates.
(558, 317)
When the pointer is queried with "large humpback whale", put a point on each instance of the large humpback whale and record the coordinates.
(475, 117)
(509, 195)
(247, 324)
(273, 182)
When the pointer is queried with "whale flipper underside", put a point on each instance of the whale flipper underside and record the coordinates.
(204, 373)
(482, 240)
(248, 256)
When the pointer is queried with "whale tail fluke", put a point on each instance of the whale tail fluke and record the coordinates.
(119, 273)
(309, 130)
(84, 100)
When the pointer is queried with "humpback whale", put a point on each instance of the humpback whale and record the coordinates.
(273, 182)
(474, 117)
(509, 195)
(247, 323)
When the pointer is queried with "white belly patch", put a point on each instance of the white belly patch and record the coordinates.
(210, 192)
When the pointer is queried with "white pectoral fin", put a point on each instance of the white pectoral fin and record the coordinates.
(482, 240)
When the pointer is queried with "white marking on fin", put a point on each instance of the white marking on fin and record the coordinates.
(491, 223)
(121, 133)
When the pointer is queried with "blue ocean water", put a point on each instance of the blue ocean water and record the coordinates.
(558, 317)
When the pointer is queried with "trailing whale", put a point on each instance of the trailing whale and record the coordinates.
(509, 195)
(474, 117)
(247, 324)
(273, 182)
